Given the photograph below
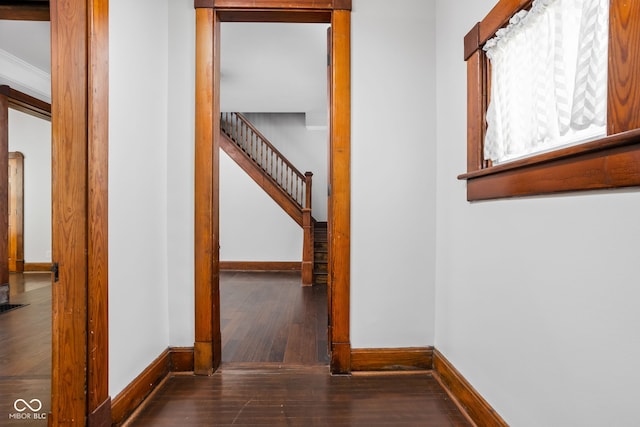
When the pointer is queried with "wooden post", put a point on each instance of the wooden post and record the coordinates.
(307, 227)
(208, 344)
(4, 193)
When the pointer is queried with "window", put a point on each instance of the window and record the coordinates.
(607, 114)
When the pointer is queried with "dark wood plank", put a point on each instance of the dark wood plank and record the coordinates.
(296, 16)
(25, 10)
(300, 397)
(269, 318)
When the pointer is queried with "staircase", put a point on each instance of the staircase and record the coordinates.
(287, 186)
(320, 254)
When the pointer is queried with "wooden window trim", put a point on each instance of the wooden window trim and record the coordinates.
(609, 162)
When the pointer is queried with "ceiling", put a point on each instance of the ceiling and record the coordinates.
(264, 67)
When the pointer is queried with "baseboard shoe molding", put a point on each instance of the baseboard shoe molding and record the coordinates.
(173, 359)
(469, 400)
(392, 359)
(260, 266)
(37, 266)
(126, 402)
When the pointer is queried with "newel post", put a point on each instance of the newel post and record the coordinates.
(307, 241)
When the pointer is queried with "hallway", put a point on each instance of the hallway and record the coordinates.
(275, 370)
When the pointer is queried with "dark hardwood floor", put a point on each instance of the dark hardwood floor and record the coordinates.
(25, 350)
(299, 397)
(275, 371)
(270, 317)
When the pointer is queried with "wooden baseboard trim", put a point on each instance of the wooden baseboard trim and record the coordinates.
(181, 359)
(134, 394)
(173, 359)
(470, 401)
(37, 266)
(260, 266)
(392, 359)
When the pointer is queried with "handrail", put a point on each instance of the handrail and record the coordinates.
(258, 148)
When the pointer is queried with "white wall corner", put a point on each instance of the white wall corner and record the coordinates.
(316, 120)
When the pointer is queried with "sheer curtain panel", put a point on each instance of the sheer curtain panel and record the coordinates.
(548, 78)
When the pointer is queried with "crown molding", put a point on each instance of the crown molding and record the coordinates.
(24, 77)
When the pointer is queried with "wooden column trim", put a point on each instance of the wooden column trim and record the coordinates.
(207, 347)
(99, 401)
(340, 184)
(69, 92)
(476, 109)
(16, 222)
(4, 189)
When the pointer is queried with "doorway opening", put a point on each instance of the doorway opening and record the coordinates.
(207, 346)
(275, 76)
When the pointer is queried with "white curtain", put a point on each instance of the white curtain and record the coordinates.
(548, 78)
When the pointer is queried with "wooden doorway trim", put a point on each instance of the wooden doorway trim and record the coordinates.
(16, 212)
(79, 126)
(209, 15)
(19, 101)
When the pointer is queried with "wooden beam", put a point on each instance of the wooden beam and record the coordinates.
(27, 104)
(25, 11)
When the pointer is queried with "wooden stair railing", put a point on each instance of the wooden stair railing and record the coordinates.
(279, 178)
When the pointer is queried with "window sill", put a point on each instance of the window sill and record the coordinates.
(610, 162)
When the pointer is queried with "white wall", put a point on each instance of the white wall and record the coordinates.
(393, 174)
(180, 171)
(252, 226)
(138, 149)
(32, 137)
(536, 297)
(307, 149)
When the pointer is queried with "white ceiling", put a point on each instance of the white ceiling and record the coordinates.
(273, 67)
(25, 57)
(265, 67)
